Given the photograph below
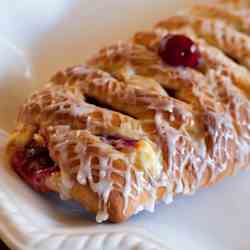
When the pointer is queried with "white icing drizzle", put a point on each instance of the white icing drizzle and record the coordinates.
(139, 181)
(181, 150)
(103, 187)
(179, 187)
(127, 188)
(139, 209)
(101, 216)
(63, 136)
(197, 157)
(168, 198)
(221, 130)
(150, 204)
(232, 119)
(61, 146)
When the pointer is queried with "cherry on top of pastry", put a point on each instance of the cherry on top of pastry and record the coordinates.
(179, 50)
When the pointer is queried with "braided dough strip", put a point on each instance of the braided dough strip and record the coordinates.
(232, 17)
(128, 130)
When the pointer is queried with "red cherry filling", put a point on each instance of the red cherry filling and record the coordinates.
(119, 142)
(34, 165)
(179, 50)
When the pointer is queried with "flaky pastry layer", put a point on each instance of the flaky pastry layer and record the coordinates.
(126, 130)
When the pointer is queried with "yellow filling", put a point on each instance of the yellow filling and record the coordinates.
(147, 159)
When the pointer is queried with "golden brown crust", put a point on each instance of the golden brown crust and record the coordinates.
(235, 4)
(216, 32)
(128, 130)
(232, 17)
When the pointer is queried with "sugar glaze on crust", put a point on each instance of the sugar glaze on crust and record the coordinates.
(126, 130)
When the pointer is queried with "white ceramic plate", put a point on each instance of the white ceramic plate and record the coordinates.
(36, 39)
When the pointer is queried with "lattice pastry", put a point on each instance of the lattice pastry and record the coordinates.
(132, 128)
